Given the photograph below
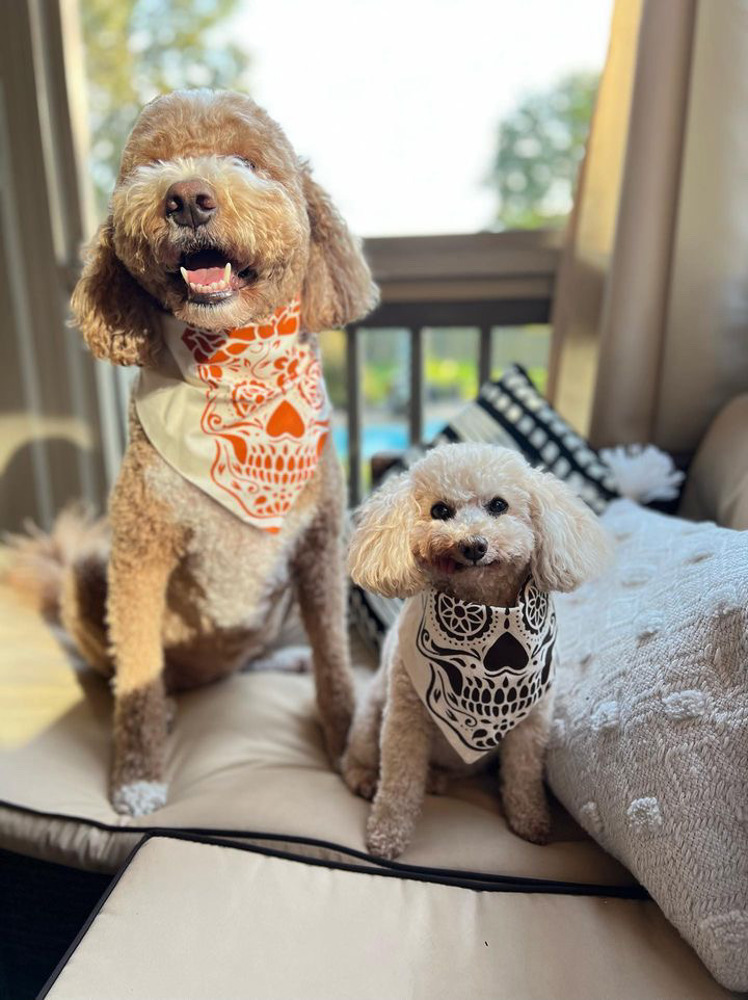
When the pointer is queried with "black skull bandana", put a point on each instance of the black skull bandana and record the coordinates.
(478, 669)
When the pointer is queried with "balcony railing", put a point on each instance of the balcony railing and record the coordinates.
(481, 281)
(484, 280)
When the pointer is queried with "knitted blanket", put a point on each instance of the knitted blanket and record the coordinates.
(649, 748)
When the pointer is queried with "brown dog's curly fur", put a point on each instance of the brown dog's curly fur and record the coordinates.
(192, 592)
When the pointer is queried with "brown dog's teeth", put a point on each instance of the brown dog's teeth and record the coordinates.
(216, 286)
(228, 281)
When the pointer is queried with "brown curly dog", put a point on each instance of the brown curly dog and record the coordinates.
(185, 591)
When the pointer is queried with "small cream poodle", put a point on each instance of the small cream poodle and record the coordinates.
(470, 532)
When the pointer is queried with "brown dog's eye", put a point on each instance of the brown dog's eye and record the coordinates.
(246, 163)
(442, 511)
(497, 506)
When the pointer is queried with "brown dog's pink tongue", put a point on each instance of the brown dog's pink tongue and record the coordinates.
(205, 275)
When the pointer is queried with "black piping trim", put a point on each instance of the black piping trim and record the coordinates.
(451, 876)
(54, 975)
(381, 868)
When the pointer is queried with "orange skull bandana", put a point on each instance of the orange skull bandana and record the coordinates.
(243, 414)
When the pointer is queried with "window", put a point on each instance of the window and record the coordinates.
(419, 116)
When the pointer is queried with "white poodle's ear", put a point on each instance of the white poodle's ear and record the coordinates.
(380, 557)
(571, 544)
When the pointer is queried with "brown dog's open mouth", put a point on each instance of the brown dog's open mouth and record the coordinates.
(211, 277)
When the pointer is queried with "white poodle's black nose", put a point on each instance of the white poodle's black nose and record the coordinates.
(474, 549)
(190, 203)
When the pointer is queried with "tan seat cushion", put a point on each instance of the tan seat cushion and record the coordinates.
(245, 760)
(203, 921)
(245, 757)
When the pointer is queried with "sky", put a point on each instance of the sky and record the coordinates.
(396, 102)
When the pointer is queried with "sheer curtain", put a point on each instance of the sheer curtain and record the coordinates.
(50, 448)
(651, 316)
(61, 427)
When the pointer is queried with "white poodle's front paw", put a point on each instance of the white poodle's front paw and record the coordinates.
(529, 817)
(386, 836)
(139, 798)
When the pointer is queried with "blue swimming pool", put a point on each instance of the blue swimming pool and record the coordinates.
(389, 436)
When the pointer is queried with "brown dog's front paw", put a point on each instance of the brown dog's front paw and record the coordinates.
(139, 798)
(386, 837)
(361, 780)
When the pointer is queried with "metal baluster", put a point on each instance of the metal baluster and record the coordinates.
(484, 355)
(416, 386)
(353, 377)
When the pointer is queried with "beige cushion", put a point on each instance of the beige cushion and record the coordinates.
(717, 485)
(245, 756)
(205, 921)
(650, 743)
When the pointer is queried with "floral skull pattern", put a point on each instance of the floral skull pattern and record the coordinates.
(478, 669)
(246, 414)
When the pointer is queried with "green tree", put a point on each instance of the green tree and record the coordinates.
(540, 146)
(138, 49)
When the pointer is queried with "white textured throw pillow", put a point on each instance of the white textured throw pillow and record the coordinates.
(649, 749)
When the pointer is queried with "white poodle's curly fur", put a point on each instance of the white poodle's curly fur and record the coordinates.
(400, 546)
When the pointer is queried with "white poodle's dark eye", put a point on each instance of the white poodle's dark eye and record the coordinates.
(247, 163)
(497, 506)
(442, 511)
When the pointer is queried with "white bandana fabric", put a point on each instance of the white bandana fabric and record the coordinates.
(243, 413)
(478, 669)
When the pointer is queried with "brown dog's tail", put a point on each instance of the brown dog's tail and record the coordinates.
(63, 574)
(39, 561)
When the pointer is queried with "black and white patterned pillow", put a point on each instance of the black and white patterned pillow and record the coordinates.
(509, 412)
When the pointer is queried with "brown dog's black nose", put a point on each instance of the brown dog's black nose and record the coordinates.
(475, 549)
(190, 203)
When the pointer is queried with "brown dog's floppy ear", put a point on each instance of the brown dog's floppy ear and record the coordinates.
(380, 558)
(571, 544)
(338, 288)
(114, 314)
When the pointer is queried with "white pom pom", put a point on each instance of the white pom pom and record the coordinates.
(643, 473)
